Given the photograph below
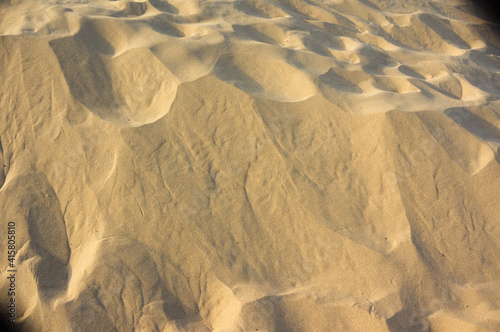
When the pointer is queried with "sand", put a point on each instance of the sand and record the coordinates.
(254, 165)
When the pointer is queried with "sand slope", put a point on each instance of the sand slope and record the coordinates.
(265, 165)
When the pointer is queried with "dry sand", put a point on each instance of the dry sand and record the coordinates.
(254, 165)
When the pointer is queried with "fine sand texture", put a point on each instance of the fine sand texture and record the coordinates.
(250, 165)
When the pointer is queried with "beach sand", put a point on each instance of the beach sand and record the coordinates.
(253, 165)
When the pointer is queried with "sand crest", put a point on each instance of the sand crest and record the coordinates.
(253, 165)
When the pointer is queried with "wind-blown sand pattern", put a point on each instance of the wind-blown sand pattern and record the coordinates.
(253, 165)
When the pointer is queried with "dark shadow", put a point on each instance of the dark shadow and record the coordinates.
(174, 311)
(5, 316)
(86, 73)
(132, 9)
(3, 167)
(228, 72)
(436, 88)
(250, 33)
(474, 124)
(316, 47)
(339, 30)
(164, 6)
(250, 9)
(137, 8)
(424, 87)
(408, 320)
(328, 39)
(161, 23)
(482, 59)
(338, 82)
(374, 61)
(487, 9)
(370, 4)
(92, 38)
(281, 322)
(443, 28)
(7, 326)
(408, 71)
(266, 314)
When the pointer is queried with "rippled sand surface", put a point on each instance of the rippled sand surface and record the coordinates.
(250, 165)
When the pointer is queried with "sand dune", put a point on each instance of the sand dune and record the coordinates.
(270, 165)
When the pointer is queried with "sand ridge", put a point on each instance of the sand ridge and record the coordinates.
(396, 54)
(271, 165)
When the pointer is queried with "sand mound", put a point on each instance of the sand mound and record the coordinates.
(266, 165)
